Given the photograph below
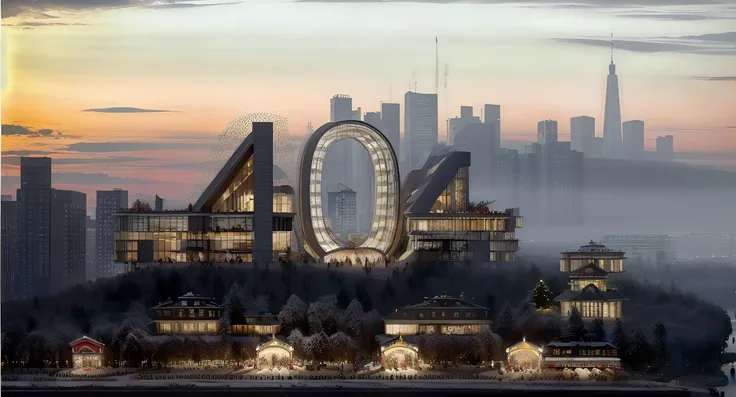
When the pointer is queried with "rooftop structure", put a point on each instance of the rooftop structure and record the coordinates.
(607, 259)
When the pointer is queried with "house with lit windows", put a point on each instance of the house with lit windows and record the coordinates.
(438, 315)
(188, 314)
(561, 355)
(589, 291)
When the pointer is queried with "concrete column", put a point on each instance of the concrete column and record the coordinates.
(263, 192)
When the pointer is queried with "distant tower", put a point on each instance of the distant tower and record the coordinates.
(612, 115)
(436, 65)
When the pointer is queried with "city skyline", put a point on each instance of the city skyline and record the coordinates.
(156, 152)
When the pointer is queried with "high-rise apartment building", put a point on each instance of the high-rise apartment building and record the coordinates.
(341, 210)
(612, 115)
(546, 132)
(633, 144)
(68, 238)
(108, 202)
(551, 184)
(9, 248)
(34, 227)
(341, 159)
(51, 232)
(582, 134)
(391, 124)
(457, 124)
(91, 261)
(665, 147)
(341, 108)
(374, 119)
(420, 126)
(492, 117)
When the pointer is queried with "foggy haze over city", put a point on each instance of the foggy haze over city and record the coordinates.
(149, 130)
(436, 197)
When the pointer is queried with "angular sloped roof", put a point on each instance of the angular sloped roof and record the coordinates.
(422, 187)
(590, 293)
(589, 271)
(86, 338)
(223, 179)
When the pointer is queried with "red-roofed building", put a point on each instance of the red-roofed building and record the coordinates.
(87, 353)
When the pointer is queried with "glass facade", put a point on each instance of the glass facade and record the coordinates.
(238, 197)
(611, 265)
(593, 309)
(580, 284)
(456, 224)
(455, 196)
(193, 237)
(464, 237)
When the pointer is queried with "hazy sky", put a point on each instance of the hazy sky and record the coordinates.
(209, 63)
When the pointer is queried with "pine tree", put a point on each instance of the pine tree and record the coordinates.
(640, 349)
(505, 322)
(575, 325)
(598, 329)
(620, 340)
(542, 297)
(660, 342)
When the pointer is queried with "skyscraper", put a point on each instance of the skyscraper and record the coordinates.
(341, 108)
(108, 202)
(363, 177)
(51, 232)
(391, 124)
(612, 115)
(492, 117)
(582, 134)
(338, 163)
(374, 119)
(420, 127)
(546, 132)
(341, 210)
(457, 124)
(466, 112)
(68, 238)
(9, 247)
(665, 147)
(34, 227)
(633, 144)
(91, 266)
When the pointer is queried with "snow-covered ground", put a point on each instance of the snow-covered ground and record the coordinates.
(276, 372)
(128, 382)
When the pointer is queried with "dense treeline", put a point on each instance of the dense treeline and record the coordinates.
(320, 308)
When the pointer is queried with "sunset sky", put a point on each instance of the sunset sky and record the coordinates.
(208, 63)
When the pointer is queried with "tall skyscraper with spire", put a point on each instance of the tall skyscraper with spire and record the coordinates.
(612, 115)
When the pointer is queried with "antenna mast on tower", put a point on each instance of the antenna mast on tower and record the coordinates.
(447, 96)
(436, 64)
(611, 47)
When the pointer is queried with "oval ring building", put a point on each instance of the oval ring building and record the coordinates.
(384, 235)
